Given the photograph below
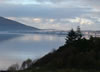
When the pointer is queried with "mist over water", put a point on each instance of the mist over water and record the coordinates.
(15, 48)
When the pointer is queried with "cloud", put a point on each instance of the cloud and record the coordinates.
(39, 11)
(53, 1)
(41, 1)
(92, 2)
(60, 24)
(81, 21)
(95, 4)
(57, 14)
(50, 20)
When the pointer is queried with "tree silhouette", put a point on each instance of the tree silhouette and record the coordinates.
(79, 34)
(71, 37)
(13, 67)
(26, 63)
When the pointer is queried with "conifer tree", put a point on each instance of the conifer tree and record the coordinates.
(79, 34)
(72, 36)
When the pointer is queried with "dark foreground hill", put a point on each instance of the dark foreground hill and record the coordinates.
(78, 54)
(83, 54)
(10, 25)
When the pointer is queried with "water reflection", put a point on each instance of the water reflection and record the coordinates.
(4, 37)
(17, 48)
(38, 37)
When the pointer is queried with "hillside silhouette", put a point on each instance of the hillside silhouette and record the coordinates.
(11, 25)
(77, 53)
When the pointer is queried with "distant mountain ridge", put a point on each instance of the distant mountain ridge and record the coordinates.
(11, 25)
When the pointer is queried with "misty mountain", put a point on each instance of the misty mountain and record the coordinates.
(10, 25)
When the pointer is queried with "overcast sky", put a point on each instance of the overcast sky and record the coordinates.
(53, 14)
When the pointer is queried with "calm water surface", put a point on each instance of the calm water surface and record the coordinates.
(15, 48)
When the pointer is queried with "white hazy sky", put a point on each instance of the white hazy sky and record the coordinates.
(53, 14)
